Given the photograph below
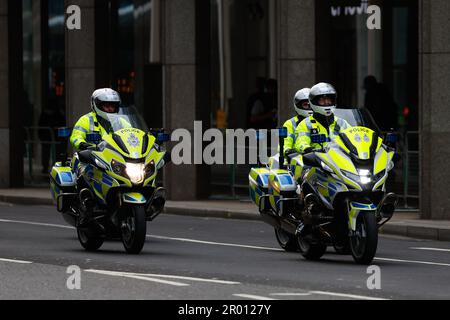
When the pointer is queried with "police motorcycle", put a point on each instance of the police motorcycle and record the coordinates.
(335, 196)
(113, 185)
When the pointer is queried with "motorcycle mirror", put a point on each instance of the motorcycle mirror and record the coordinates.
(64, 132)
(94, 137)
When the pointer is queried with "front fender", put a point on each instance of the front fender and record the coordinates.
(134, 198)
(355, 208)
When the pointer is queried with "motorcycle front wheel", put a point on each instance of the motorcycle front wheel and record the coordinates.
(364, 242)
(134, 228)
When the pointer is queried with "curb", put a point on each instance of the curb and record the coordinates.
(211, 213)
(418, 232)
(26, 200)
(391, 228)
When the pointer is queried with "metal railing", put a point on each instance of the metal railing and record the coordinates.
(33, 148)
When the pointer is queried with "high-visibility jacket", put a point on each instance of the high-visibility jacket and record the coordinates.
(291, 126)
(311, 126)
(86, 124)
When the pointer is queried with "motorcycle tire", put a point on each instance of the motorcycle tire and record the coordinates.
(364, 243)
(89, 240)
(134, 230)
(286, 241)
(311, 251)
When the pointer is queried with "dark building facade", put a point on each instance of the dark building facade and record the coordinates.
(184, 60)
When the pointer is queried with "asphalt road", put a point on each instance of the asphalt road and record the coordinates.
(205, 259)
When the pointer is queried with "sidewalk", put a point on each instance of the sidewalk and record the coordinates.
(405, 224)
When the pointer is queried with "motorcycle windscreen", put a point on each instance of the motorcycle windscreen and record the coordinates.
(360, 142)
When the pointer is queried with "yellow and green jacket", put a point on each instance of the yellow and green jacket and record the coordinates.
(291, 125)
(86, 124)
(311, 126)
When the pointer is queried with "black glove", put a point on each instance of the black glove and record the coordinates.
(86, 146)
(308, 150)
(290, 153)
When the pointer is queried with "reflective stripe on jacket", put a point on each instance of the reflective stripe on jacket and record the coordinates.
(311, 126)
(86, 124)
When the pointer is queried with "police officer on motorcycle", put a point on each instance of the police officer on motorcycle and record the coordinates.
(322, 99)
(303, 110)
(103, 102)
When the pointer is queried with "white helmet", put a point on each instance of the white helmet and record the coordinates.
(102, 98)
(319, 91)
(300, 97)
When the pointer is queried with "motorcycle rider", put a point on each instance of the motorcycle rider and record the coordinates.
(322, 99)
(103, 102)
(303, 110)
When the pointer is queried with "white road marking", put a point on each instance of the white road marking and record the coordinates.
(431, 249)
(166, 276)
(215, 243)
(15, 261)
(287, 294)
(251, 296)
(413, 261)
(344, 295)
(37, 224)
(220, 243)
(122, 274)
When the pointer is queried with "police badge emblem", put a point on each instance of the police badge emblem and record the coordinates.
(133, 141)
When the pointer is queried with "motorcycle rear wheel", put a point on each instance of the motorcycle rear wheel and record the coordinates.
(286, 241)
(364, 243)
(134, 229)
(311, 251)
(89, 240)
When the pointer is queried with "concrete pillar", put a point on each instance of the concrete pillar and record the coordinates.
(11, 94)
(185, 54)
(80, 62)
(4, 95)
(296, 51)
(434, 98)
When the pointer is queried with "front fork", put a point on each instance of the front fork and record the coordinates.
(384, 211)
(357, 208)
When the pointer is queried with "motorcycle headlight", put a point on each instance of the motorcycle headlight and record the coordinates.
(136, 172)
(351, 176)
(379, 175)
(118, 168)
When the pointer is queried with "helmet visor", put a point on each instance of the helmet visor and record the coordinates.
(108, 106)
(325, 100)
(303, 104)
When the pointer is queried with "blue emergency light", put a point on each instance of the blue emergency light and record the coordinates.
(163, 137)
(64, 132)
(282, 132)
(391, 137)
